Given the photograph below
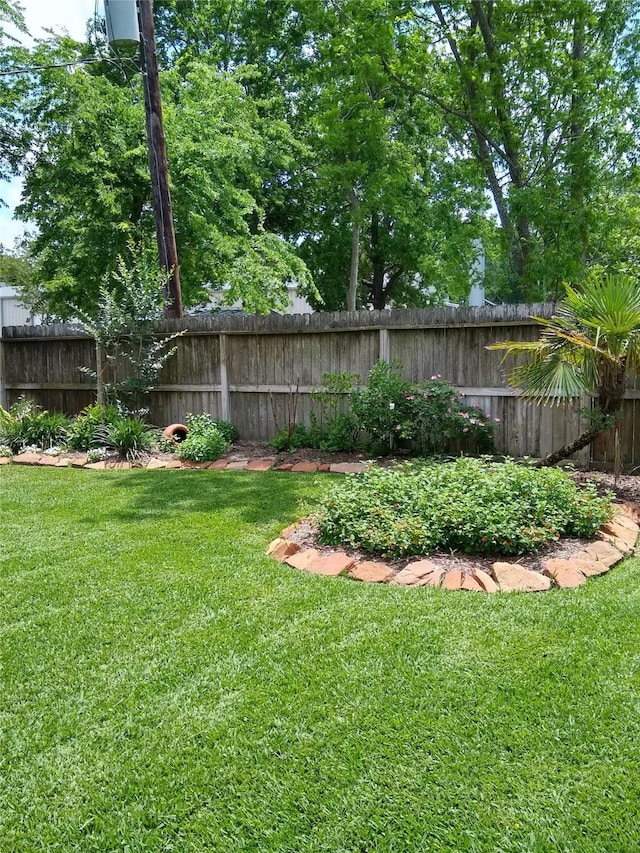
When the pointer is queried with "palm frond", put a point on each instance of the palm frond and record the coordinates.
(549, 382)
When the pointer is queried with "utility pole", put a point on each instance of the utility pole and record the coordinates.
(158, 160)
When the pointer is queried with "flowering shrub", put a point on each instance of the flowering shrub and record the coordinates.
(432, 415)
(383, 410)
(470, 505)
(441, 420)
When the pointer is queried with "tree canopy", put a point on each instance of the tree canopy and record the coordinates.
(364, 147)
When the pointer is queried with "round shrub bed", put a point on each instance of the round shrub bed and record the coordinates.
(472, 506)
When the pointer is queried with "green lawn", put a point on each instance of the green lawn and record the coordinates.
(166, 687)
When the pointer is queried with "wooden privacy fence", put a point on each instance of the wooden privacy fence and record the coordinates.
(251, 369)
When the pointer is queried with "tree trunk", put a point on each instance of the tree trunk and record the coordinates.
(378, 295)
(495, 101)
(101, 393)
(609, 405)
(355, 252)
(581, 441)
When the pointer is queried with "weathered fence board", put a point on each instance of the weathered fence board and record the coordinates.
(256, 371)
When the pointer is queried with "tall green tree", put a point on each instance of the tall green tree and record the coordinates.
(386, 209)
(12, 135)
(544, 96)
(86, 184)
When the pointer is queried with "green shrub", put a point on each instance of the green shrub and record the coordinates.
(431, 415)
(336, 435)
(382, 410)
(291, 439)
(26, 425)
(227, 429)
(470, 505)
(330, 428)
(130, 437)
(440, 421)
(87, 430)
(205, 441)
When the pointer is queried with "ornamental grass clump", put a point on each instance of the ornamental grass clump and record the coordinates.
(26, 425)
(87, 430)
(472, 506)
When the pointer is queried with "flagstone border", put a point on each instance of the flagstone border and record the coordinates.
(614, 541)
(265, 463)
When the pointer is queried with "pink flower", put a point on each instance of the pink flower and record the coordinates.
(466, 429)
(398, 426)
(496, 420)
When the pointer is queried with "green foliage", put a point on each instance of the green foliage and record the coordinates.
(431, 415)
(292, 438)
(124, 329)
(26, 425)
(589, 346)
(88, 190)
(335, 435)
(206, 440)
(469, 505)
(295, 127)
(130, 437)
(15, 269)
(330, 429)
(440, 420)
(227, 429)
(87, 429)
(382, 409)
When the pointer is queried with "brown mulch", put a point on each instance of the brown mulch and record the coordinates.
(255, 450)
(625, 488)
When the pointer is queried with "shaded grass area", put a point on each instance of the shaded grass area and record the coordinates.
(166, 687)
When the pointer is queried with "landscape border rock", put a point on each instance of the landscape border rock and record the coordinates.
(594, 559)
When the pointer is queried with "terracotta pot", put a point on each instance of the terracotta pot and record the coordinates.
(176, 432)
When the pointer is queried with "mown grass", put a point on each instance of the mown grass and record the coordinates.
(166, 687)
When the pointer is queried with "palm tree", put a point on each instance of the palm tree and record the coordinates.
(589, 346)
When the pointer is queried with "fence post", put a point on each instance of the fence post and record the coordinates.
(225, 399)
(385, 346)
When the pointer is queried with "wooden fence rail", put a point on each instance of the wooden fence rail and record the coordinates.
(249, 369)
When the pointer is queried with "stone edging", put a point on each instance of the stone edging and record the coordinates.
(266, 463)
(615, 540)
